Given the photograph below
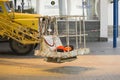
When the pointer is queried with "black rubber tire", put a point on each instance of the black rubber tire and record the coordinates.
(19, 48)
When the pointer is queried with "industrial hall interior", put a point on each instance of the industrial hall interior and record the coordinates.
(59, 39)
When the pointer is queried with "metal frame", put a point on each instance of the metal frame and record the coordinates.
(115, 23)
(45, 50)
(18, 32)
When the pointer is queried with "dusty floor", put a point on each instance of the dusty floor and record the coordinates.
(103, 63)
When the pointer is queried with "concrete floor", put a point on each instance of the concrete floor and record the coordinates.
(101, 64)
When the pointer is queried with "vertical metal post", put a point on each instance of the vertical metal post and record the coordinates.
(83, 4)
(117, 14)
(15, 3)
(22, 3)
(80, 30)
(76, 29)
(115, 23)
(68, 30)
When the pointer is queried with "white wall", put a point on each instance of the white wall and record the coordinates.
(110, 14)
(76, 7)
(45, 7)
(103, 18)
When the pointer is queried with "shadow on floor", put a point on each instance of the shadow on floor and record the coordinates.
(70, 70)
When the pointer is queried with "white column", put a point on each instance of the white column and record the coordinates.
(68, 7)
(103, 18)
(90, 9)
(62, 7)
(40, 6)
(37, 6)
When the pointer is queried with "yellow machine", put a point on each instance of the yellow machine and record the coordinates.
(21, 29)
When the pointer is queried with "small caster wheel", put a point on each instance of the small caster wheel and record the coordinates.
(46, 59)
(58, 60)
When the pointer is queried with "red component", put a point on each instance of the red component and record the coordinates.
(64, 48)
(60, 47)
(68, 48)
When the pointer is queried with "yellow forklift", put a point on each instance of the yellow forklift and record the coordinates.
(19, 28)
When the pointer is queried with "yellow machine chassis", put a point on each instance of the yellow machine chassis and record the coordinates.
(17, 32)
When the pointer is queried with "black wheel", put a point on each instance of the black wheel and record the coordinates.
(19, 48)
